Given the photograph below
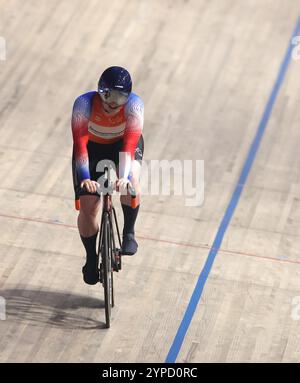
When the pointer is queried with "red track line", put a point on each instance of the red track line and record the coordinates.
(260, 256)
(221, 250)
(37, 220)
(183, 244)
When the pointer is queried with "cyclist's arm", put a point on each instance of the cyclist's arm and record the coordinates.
(134, 112)
(80, 118)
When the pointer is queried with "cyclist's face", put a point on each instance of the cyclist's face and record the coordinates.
(111, 107)
(114, 99)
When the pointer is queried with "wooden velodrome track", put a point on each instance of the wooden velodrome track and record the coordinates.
(205, 70)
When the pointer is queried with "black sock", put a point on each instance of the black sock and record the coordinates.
(130, 215)
(90, 245)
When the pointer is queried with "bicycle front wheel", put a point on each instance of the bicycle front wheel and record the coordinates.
(107, 269)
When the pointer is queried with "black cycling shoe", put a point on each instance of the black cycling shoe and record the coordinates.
(90, 273)
(129, 244)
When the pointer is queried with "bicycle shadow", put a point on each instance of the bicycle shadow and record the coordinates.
(58, 309)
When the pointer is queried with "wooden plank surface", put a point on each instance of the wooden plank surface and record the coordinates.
(205, 71)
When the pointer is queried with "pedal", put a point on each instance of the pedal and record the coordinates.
(117, 261)
(119, 258)
(115, 266)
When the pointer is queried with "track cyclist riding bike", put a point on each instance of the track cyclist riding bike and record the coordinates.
(106, 125)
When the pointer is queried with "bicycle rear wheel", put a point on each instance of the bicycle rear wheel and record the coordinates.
(107, 269)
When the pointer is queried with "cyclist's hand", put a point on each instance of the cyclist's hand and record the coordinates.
(90, 186)
(122, 185)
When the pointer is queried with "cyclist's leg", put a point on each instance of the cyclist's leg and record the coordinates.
(88, 229)
(129, 245)
(88, 223)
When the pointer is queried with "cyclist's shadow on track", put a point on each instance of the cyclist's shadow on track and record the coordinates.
(58, 309)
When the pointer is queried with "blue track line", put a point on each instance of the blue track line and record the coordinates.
(185, 323)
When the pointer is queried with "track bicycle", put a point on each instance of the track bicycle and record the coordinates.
(109, 253)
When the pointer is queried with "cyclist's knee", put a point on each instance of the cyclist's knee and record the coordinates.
(89, 205)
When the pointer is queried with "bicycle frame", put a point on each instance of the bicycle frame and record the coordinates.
(109, 256)
(109, 208)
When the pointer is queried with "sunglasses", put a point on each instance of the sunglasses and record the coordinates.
(113, 96)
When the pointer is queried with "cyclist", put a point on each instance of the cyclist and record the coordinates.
(104, 124)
